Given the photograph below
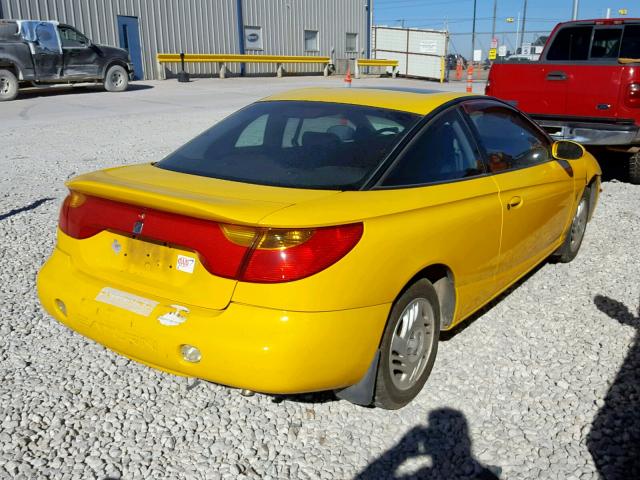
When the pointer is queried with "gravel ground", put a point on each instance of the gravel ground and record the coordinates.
(543, 384)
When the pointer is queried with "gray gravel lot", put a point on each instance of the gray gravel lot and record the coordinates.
(543, 384)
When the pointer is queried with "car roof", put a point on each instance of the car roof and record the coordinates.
(414, 100)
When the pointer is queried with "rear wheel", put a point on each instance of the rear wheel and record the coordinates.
(573, 241)
(8, 85)
(116, 79)
(409, 346)
(634, 168)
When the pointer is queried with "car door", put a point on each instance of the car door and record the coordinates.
(460, 216)
(80, 58)
(536, 191)
(595, 82)
(47, 54)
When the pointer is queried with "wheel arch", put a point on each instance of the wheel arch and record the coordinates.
(6, 64)
(443, 280)
(111, 63)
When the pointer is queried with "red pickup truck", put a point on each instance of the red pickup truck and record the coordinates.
(585, 87)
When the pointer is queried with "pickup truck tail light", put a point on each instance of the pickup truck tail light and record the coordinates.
(632, 98)
(245, 253)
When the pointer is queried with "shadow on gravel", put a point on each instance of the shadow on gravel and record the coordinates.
(614, 165)
(26, 208)
(614, 439)
(445, 442)
(54, 90)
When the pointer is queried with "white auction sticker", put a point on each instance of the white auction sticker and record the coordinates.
(127, 301)
(185, 264)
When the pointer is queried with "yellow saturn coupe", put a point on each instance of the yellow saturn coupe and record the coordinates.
(319, 239)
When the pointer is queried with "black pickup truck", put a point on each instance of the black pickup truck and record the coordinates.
(34, 52)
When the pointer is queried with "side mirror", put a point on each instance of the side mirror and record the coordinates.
(567, 150)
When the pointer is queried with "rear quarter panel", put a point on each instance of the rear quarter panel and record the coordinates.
(405, 230)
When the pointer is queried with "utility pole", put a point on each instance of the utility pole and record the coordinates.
(608, 13)
(575, 10)
(524, 19)
(473, 32)
(493, 28)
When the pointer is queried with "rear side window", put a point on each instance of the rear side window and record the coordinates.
(606, 43)
(295, 144)
(571, 43)
(509, 139)
(443, 152)
(630, 42)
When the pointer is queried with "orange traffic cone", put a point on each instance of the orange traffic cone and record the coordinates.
(347, 78)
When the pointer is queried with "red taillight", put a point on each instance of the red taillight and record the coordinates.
(323, 247)
(251, 254)
(632, 98)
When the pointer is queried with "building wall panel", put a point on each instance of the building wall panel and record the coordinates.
(210, 26)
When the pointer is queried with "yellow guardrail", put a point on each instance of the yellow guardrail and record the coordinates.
(224, 58)
(377, 62)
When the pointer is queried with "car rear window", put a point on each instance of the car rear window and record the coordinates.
(295, 144)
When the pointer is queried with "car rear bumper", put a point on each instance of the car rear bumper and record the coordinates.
(243, 346)
(591, 133)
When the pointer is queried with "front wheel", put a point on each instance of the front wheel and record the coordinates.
(409, 346)
(116, 79)
(573, 241)
(8, 85)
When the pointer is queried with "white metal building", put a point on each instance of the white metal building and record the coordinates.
(330, 28)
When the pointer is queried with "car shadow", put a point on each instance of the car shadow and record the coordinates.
(442, 450)
(614, 165)
(614, 438)
(26, 208)
(55, 90)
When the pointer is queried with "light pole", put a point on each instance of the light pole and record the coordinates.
(524, 19)
(575, 10)
(473, 32)
(493, 27)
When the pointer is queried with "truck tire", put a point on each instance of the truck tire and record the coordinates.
(634, 168)
(8, 85)
(116, 79)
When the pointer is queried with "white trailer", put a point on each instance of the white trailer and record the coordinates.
(420, 53)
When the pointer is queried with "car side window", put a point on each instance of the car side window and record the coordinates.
(71, 38)
(571, 43)
(606, 43)
(630, 42)
(253, 134)
(46, 37)
(508, 138)
(444, 151)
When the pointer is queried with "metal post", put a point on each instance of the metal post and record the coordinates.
(493, 27)
(608, 13)
(240, 33)
(369, 8)
(575, 9)
(473, 32)
(524, 19)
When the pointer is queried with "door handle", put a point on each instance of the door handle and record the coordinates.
(558, 75)
(515, 202)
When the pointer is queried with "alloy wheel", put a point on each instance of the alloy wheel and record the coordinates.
(411, 344)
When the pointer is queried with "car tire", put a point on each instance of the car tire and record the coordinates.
(409, 346)
(634, 168)
(8, 85)
(116, 79)
(571, 245)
